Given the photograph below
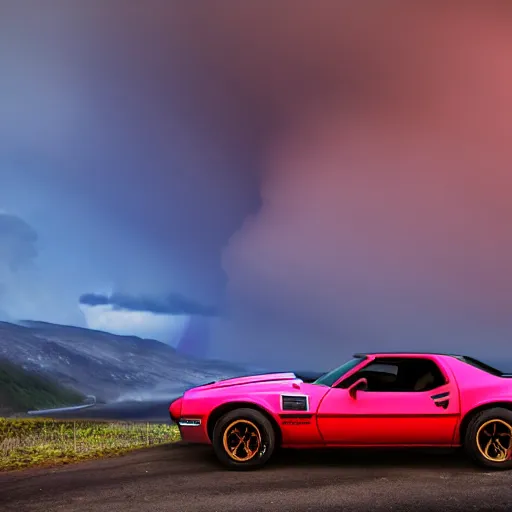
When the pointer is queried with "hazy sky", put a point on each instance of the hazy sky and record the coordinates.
(329, 176)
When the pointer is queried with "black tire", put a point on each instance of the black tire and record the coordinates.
(244, 421)
(481, 432)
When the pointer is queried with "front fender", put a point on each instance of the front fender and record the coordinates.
(293, 426)
(199, 413)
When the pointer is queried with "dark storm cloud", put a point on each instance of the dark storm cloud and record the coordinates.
(121, 108)
(349, 160)
(173, 304)
(18, 242)
(18, 252)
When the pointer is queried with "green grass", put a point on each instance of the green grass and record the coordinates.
(21, 391)
(36, 442)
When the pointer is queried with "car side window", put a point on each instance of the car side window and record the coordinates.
(399, 375)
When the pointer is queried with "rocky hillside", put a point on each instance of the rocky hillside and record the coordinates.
(21, 390)
(109, 366)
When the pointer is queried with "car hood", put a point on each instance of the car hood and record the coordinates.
(251, 379)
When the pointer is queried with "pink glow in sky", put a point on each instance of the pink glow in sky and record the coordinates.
(386, 218)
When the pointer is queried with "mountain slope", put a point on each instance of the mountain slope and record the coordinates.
(109, 366)
(21, 390)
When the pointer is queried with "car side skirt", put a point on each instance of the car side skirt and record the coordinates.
(370, 446)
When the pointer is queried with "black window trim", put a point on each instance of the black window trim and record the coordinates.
(363, 359)
(476, 363)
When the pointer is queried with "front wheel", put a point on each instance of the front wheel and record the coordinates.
(243, 439)
(488, 439)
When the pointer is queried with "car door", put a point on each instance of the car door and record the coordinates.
(410, 418)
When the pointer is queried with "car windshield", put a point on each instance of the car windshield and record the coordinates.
(329, 378)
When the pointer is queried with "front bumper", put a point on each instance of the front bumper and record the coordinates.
(191, 429)
(175, 410)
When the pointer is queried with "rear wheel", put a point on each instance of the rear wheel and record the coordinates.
(243, 439)
(488, 439)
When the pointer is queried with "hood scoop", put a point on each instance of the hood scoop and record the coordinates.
(252, 379)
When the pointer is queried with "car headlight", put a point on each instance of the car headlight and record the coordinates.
(175, 409)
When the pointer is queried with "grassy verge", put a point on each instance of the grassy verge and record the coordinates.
(35, 442)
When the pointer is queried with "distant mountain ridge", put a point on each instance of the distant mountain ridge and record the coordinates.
(108, 366)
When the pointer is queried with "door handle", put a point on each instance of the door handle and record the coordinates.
(441, 399)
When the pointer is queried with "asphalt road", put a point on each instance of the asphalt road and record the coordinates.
(187, 478)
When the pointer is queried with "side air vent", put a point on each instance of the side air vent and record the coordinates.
(294, 402)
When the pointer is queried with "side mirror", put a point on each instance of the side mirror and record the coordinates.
(359, 385)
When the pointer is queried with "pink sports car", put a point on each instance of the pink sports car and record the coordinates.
(373, 400)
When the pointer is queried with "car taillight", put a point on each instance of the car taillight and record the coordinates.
(175, 409)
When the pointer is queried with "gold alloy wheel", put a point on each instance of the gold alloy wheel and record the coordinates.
(242, 440)
(494, 440)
